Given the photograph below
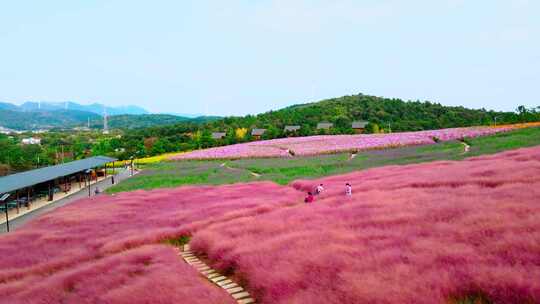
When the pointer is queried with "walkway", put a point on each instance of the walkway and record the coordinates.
(238, 293)
(22, 218)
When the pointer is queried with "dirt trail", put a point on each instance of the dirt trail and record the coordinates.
(224, 165)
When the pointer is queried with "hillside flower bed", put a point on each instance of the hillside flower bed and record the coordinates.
(442, 232)
(325, 144)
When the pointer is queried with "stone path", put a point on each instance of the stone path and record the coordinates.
(239, 294)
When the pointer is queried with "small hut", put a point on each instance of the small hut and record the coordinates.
(291, 129)
(359, 126)
(324, 126)
(257, 133)
(218, 135)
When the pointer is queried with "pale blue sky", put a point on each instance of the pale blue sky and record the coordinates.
(238, 57)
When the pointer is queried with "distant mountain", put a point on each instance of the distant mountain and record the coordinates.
(8, 106)
(148, 120)
(96, 108)
(48, 115)
(38, 119)
(192, 115)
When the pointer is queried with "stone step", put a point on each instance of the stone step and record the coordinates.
(223, 283)
(202, 268)
(207, 271)
(240, 295)
(191, 259)
(217, 279)
(246, 301)
(213, 275)
(229, 286)
(234, 289)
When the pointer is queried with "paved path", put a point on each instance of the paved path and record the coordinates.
(20, 221)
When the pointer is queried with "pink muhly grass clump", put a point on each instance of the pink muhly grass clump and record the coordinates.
(95, 250)
(423, 233)
(147, 274)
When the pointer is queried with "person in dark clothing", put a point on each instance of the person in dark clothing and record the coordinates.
(309, 198)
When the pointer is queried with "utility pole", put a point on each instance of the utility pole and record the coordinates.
(105, 124)
(89, 181)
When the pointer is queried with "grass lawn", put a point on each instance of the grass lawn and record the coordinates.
(285, 170)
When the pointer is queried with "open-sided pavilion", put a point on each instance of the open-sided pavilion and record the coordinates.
(26, 187)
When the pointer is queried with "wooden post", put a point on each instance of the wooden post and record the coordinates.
(28, 198)
(17, 198)
(79, 178)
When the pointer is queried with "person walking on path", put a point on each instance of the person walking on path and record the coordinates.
(319, 189)
(348, 190)
(309, 198)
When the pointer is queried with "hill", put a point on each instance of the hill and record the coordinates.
(48, 115)
(96, 108)
(147, 120)
(387, 113)
(32, 120)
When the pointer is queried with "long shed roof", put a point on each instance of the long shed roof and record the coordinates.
(25, 179)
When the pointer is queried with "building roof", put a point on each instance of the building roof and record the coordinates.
(25, 179)
(324, 125)
(218, 135)
(361, 124)
(292, 128)
(257, 132)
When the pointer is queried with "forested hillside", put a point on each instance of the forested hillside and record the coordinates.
(383, 114)
(31, 120)
(147, 120)
(392, 113)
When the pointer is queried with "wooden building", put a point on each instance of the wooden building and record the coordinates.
(257, 133)
(359, 126)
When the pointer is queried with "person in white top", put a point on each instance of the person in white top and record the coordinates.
(319, 189)
(348, 189)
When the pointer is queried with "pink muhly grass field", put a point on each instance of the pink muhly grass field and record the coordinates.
(324, 144)
(108, 249)
(424, 233)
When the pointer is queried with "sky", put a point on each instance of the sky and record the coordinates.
(240, 57)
